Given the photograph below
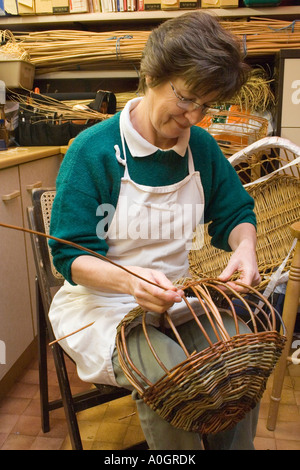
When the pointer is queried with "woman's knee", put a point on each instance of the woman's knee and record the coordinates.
(168, 351)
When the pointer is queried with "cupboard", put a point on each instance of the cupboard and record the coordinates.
(17, 270)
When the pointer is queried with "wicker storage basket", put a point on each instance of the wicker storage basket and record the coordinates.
(213, 389)
(234, 129)
(269, 170)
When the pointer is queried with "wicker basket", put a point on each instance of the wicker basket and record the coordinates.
(234, 129)
(213, 389)
(269, 170)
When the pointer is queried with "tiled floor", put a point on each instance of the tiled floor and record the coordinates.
(20, 427)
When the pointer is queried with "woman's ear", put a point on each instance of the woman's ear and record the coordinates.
(148, 80)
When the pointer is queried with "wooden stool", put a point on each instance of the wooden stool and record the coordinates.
(289, 315)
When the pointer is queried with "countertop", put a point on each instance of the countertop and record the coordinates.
(17, 155)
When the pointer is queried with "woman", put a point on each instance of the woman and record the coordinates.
(134, 188)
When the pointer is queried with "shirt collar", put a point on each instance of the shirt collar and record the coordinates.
(138, 146)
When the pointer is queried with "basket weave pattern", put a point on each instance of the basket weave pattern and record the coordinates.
(270, 172)
(234, 129)
(213, 389)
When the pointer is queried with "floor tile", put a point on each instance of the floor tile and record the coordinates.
(115, 425)
(18, 442)
(287, 444)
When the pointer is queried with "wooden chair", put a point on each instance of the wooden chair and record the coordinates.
(289, 314)
(48, 280)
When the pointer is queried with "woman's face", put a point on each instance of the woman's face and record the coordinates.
(167, 117)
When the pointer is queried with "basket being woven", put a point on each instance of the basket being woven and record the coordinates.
(213, 389)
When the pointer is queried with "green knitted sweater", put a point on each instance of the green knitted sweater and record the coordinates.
(90, 175)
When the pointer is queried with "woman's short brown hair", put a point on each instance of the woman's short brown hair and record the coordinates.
(196, 48)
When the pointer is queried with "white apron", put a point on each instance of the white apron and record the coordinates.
(152, 227)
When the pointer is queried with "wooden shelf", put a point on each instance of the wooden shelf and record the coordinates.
(13, 22)
(89, 74)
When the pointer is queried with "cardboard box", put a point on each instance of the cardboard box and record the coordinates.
(17, 73)
(43, 7)
(26, 7)
(152, 5)
(219, 3)
(188, 4)
(170, 4)
(8, 7)
(60, 6)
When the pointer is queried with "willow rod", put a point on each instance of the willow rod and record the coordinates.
(79, 247)
(70, 334)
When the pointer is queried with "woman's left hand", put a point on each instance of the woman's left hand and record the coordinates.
(243, 260)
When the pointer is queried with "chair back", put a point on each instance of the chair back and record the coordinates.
(39, 215)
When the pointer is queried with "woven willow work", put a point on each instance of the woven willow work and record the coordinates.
(234, 129)
(213, 389)
(269, 170)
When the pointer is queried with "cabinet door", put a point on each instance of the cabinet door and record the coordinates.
(291, 133)
(16, 328)
(35, 174)
(288, 118)
(291, 93)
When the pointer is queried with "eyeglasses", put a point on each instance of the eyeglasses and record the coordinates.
(190, 105)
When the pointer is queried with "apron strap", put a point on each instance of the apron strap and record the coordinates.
(191, 161)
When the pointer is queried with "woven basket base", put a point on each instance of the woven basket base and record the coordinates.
(214, 389)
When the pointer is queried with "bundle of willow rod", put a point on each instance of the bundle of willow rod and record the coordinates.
(46, 106)
(67, 50)
(213, 389)
(10, 48)
(68, 109)
(261, 36)
(70, 50)
(256, 94)
(123, 98)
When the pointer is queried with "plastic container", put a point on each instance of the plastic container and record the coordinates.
(17, 73)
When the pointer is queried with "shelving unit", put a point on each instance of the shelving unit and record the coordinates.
(138, 17)
(121, 21)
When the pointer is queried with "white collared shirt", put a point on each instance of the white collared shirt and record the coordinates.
(140, 147)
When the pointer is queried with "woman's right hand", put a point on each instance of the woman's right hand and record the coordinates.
(152, 297)
(95, 273)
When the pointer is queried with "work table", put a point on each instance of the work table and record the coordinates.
(19, 155)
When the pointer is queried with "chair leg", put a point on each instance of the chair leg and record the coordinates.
(42, 356)
(289, 315)
(67, 398)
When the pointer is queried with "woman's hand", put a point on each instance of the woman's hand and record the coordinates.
(98, 274)
(153, 298)
(243, 240)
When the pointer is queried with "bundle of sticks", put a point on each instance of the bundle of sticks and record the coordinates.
(70, 49)
(48, 108)
(263, 36)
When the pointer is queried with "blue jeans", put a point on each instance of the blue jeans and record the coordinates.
(159, 434)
